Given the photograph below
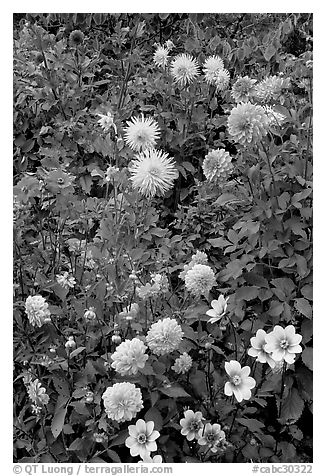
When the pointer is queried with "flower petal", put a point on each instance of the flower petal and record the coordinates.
(153, 436)
(141, 426)
(237, 394)
(228, 389)
(149, 427)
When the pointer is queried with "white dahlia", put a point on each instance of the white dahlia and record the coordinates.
(271, 88)
(200, 257)
(200, 279)
(184, 69)
(129, 357)
(37, 393)
(217, 165)
(212, 68)
(243, 89)
(141, 133)
(37, 310)
(161, 56)
(122, 401)
(106, 121)
(222, 80)
(164, 336)
(248, 123)
(182, 364)
(153, 172)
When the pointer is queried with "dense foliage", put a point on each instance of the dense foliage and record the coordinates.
(110, 261)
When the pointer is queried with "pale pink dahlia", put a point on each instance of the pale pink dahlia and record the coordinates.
(217, 165)
(239, 384)
(283, 343)
(271, 88)
(129, 357)
(182, 364)
(199, 280)
(142, 438)
(243, 89)
(37, 310)
(122, 401)
(191, 424)
(164, 336)
(248, 123)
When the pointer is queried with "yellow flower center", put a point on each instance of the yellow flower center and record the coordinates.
(236, 380)
(284, 344)
(141, 438)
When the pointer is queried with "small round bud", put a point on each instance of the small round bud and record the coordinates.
(76, 37)
(116, 339)
(208, 345)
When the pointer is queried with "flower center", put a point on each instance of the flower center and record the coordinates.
(194, 425)
(284, 344)
(141, 438)
(154, 171)
(236, 380)
(182, 70)
(210, 437)
(60, 181)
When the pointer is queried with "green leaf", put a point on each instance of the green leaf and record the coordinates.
(269, 52)
(224, 199)
(58, 422)
(292, 407)
(174, 392)
(303, 306)
(114, 456)
(255, 279)
(247, 293)
(120, 439)
(61, 386)
(76, 352)
(307, 357)
(154, 415)
(218, 242)
(252, 424)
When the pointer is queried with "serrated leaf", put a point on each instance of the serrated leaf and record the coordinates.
(58, 422)
(303, 306)
(252, 424)
(292, 407)
(307, 357)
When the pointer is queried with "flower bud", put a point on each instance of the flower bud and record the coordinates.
(116, 339)
(70, 344)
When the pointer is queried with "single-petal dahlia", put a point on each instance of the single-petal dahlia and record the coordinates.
(182, 364)
(271, 88)
(142, 438)
(199, 280)
(283, 343)
(153, 173)
(219, 309)
(211, 435)
(122, 401)
(243, 89)
(191, 424)
(217, 166)
(248, 123)
(106, 121)
(164, 336)
(184, 69)
(257, 349)
(141, 133)
(37, 310)
(240, 384)
(161, 56)
(37, 393)
(129, 357)
(211, 69)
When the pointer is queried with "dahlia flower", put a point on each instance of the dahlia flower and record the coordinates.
(129, 357)
(271, 88)
(141, 133)
(161, 56)
(142, 438)
(199, 258)
(191, 424)
(70, 344)
(240, 384)
(211, 69)
(199, 280)
(217, 165)
(147, 459)
(182, 364)
(160, 285)
(122, 401)
(283, 343)
(211, 435)
(65, 280)
(37, 393)
(106, 121)
(76, 37)
(221, 80)
(219, 309)
(153, 173)
(275, 118)
(37, 310)
(90, 314)
(184, 69)
(169, 44)
(248, 123)
(257, 349)
(243, 89)
(164, 336)
(58, 181)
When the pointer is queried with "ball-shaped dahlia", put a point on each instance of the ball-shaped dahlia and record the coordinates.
(182, 364)
(243, 89)
(271, 88)
(164, 336)
(129, 357)
(217, 165)
(248, 123)
(184, 69)
(199, 280)
(122, 401)
(37, 310)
